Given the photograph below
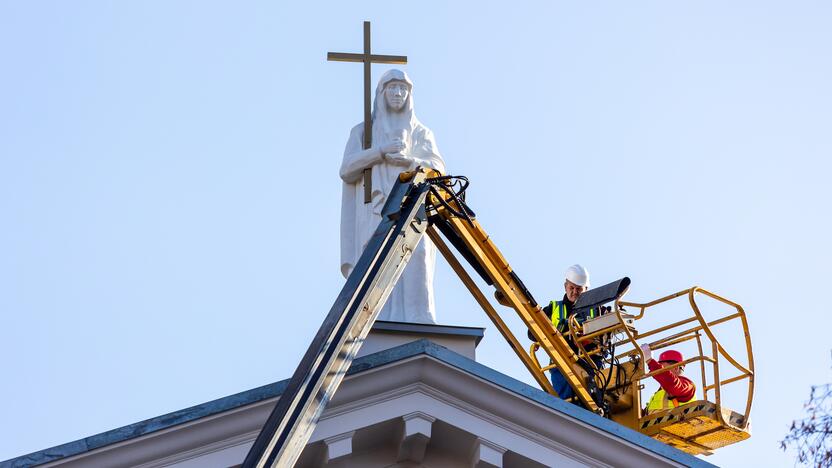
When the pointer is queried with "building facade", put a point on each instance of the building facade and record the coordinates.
(415, 397)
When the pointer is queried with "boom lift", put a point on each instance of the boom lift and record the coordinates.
(427, 202)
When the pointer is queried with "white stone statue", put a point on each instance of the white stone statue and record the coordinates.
(400, 143)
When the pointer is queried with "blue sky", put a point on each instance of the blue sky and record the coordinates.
(169, 192)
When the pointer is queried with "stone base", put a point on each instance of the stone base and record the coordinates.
(386, 335)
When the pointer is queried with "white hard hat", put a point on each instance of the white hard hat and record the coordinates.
(578, 275)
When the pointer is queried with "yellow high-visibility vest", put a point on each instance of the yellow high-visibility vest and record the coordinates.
(559, 314)
(660, 402)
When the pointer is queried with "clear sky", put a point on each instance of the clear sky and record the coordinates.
(169, 191)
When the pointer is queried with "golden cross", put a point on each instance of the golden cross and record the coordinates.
(367, 58)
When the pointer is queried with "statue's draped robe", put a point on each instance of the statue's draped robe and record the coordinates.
(412, 299)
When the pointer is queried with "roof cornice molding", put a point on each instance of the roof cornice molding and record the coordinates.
(259, 398)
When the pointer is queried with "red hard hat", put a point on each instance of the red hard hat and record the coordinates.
(672, 355)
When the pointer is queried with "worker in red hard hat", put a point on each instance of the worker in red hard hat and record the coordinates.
(676, 389)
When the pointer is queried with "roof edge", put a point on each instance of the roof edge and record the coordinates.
(364, 363)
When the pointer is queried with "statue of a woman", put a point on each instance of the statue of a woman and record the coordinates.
(400, 143)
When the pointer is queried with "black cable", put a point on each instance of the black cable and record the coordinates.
(458, 214)
(609, 350)
(455, 190)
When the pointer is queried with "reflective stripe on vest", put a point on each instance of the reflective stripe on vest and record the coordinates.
(559, 313)
(660, 402)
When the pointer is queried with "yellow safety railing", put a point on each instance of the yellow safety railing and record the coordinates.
(693, 328)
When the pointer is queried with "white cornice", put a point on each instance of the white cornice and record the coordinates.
(480, 413)
(243, 439)
(417, 380)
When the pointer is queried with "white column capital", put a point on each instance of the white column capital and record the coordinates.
(415, 437)
(487, 454)
(339, 445)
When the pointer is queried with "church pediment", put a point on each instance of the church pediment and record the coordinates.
(417, 404)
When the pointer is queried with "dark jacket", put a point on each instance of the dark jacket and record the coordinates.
(562, 327)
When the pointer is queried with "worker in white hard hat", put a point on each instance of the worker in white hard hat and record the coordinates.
(575, 283)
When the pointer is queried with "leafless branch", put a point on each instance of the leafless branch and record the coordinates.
(809, 436)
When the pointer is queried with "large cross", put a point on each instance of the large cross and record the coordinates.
(367, 58)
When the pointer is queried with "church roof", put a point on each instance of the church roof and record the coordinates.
(360, 365)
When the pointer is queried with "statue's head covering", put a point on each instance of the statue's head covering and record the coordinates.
(387, 124)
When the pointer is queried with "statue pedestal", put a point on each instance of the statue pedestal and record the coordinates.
(385, 335)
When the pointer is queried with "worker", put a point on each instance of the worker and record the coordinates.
(676, 389)
(576, 282)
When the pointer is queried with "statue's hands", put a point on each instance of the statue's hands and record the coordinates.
(395, 146)
(398, 159)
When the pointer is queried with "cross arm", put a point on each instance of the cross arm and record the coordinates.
(344, 57)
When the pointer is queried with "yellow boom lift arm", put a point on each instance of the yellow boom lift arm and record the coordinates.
(425, 201)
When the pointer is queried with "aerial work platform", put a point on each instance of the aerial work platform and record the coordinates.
(697, 428)
(427, 202)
